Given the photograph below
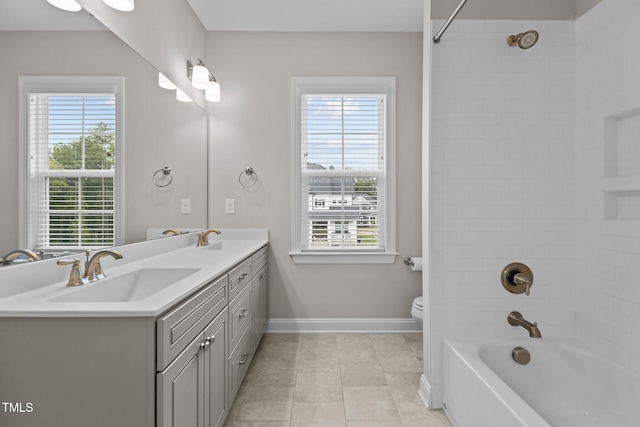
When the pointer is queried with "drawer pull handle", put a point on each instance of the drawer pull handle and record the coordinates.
(244, 358)
(243, 276)
(207, 342)
(263, 275)
(243, 312)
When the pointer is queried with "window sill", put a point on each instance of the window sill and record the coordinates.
(343, 258)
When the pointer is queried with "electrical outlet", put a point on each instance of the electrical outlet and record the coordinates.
(185, 206)
(230, 206)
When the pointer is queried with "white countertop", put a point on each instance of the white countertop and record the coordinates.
(24, 291)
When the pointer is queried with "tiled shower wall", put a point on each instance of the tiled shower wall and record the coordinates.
(608, 180)
(535, 157)
(502, 180)
(502, 147)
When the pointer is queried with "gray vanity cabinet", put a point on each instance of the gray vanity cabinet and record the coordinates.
(179, 369)
(197, 381)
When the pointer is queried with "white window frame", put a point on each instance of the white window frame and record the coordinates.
(68, 84)
(343, 85)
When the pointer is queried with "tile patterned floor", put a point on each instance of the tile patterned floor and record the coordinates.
(341, 380)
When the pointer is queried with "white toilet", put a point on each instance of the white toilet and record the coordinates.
(416, 310)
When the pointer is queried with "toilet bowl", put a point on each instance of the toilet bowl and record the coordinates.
(417, 311)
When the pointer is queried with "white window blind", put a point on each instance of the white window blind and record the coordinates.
(343, 169)
(72, 142)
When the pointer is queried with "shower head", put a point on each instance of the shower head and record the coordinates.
(523, 40)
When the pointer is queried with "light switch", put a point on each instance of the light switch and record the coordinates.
(185, 206)
(230, 206)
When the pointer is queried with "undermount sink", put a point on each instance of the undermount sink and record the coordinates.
(213, 246)
(133, 286)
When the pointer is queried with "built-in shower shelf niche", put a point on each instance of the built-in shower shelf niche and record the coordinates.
(621, 183)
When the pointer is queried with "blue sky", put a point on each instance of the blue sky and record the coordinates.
(343, 132)
(72, 116)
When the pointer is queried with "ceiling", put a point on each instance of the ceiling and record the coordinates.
(301, 15)
(239, 15)
(310, 15)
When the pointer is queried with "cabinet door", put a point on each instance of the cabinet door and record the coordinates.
(264, 299)
(181, 389)
(260, 306)
(216, 371)
(240, 314)
(239, 361)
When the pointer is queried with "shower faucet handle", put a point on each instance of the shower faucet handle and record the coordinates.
(517, 278)
(522, 279)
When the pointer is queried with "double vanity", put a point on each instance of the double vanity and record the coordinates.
(164, 340)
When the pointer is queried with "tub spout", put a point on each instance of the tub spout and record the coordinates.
(515, 319)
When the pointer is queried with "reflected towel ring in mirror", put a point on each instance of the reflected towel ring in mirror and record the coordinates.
(166, 171)
(248, 177)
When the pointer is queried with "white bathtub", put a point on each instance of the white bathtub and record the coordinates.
(564, 385)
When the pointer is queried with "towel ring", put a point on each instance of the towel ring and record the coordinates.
(165, 171)
(250, 177)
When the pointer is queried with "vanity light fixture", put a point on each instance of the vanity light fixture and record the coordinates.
(181, 96)
(121, 5)
(212, 94)
(68, 5)
(202, 78)
(165, 83)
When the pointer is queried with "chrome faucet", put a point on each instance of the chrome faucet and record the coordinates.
(11, 257)
(203, 238)
(93, 269)
(515, 319)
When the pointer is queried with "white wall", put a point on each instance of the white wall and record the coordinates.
(502, 177)
(252, 127)
(159, 131)
(608, 245)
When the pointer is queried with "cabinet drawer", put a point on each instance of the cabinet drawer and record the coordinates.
(259, 260)
(240, 314)
(181, 325)
(239, 363)
(239, 276)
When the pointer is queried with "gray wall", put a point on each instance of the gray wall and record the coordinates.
(252, 127)
(159, 131)
(513, 9)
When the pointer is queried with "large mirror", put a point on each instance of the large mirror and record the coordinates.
(159, 131)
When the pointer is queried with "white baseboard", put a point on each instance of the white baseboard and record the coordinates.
(425, 392)
(430, 395)
(343, 325)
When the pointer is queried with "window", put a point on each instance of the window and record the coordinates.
(71, 153)
(343, 170)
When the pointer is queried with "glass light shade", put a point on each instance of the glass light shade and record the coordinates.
(68, 5)
(181, 96)
(200, 77)
(212, 94)
(165, 83)
(121, 5)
